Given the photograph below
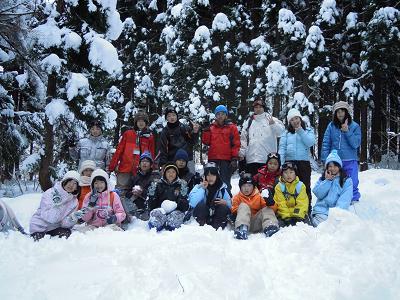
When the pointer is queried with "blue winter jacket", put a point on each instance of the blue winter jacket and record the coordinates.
(296, 146)
(330, 194)
(198, 194)
(346, 143)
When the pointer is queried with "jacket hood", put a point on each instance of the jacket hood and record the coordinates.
(100, 173)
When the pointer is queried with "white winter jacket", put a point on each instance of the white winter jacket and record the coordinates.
(92, 148)
(260, 139)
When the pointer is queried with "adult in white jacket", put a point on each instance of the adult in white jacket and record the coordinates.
(259, 137)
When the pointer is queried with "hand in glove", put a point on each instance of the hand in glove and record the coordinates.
(269, 200)
(234, 165)
(93, 199)
(78, 214)
(112, 219)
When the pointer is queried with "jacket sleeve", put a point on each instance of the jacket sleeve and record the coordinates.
(278, 128)
(183, 204)
(68, 222)
(235, 204)
(117, 155)
(346, 195)
(283, 210)
(228, 200)
(243, 139)
(235, 143)
(192, 137)
(163, 157)
(89, 215)
(74, 151)
(206, 136)
(326, 143)
(118, 208)
(108, 156)
(152, 194)
(301, 208)
(50, 212)
(353, 137)
(196, 195)
(282, 147)
(307, 136)
(152, 146)
(322, 188)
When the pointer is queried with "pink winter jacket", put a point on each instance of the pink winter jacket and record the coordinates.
(55, 207)
(97, 216)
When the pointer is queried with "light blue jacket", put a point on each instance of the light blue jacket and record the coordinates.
(330, 194)
(296, 146)
(346, 143)
(198, 194)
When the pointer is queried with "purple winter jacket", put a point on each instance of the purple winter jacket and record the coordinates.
(55, 207)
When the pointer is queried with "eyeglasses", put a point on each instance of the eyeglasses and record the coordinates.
(288, 165)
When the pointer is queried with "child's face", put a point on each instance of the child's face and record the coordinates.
(95, 131)
(247, 189)
(211, 179)
(99, 186)
(87, 172)
(180, 163)
(71, 186)
(289, 175)
(341, 114)
(170, 175)
(141, 124)
(172, 117)
(145, 165)
(273, 165)
(333, 169)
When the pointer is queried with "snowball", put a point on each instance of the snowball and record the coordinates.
(168, 206)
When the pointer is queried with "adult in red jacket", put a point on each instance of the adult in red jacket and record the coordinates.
(133, 143)
(224, 143)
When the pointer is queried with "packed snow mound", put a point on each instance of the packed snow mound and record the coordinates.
(353, 255)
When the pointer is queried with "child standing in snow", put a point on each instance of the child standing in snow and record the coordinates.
(86, 170)
(290, 196)
(56, 213)
(210, 199)
(8, 221)
(102, 207)
(167, 200)
(254, 212)
(268, 176)
(333, 189)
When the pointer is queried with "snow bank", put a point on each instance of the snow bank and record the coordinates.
(353, 255)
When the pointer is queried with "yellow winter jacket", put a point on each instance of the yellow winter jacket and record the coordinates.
(289, 207)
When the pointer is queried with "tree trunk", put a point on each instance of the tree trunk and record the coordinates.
(47, 160)
(364, 135)
(376, 123)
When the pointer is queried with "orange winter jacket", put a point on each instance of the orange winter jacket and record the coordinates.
(255, 201)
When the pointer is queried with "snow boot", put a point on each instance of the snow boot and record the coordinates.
(240, 233)
(271, 230)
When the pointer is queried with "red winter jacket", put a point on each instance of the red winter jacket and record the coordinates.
(265, 179)
(129, 149)
(224, 141)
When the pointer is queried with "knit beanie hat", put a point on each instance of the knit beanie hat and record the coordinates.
(259, 101)
(70, 175)
(146, 155)
(333, 157)
(211, 168)
(181, 154)
(221, 108)
(141, 115)
(170, 109)
(274, 155)
(341, 104)
(246, 178)
(170, 166)
(87, 164)
(293, 112)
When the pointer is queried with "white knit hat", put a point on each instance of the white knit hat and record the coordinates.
(71, 175)
(341, 104)
(87, 164)
(100, 173)
(293, 112)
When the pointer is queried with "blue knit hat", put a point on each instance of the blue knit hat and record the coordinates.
(146, 155)
(221, 108)
(181, 154)
(333, 157)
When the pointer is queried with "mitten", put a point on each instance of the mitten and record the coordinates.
(112, 219)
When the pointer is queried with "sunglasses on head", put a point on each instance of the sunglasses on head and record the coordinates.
(273, 155)
(288, 165)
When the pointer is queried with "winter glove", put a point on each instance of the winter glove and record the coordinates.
(188, 215)
(234, 165)
(168, 206)
(112, 219)
(269, 200)
(93, 199)
(77, 215)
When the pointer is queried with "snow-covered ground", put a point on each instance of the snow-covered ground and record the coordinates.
(354, 255)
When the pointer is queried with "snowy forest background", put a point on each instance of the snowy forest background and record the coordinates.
(66, 62)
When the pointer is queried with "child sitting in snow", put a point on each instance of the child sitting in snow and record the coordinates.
(101, 206)
(167, 200)
(268, 175)
(8, 221)
(254, 212)
(333, 189)
(291, 196)
(86, 170)
(210, 199)
(56, 213)
(181, 161)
